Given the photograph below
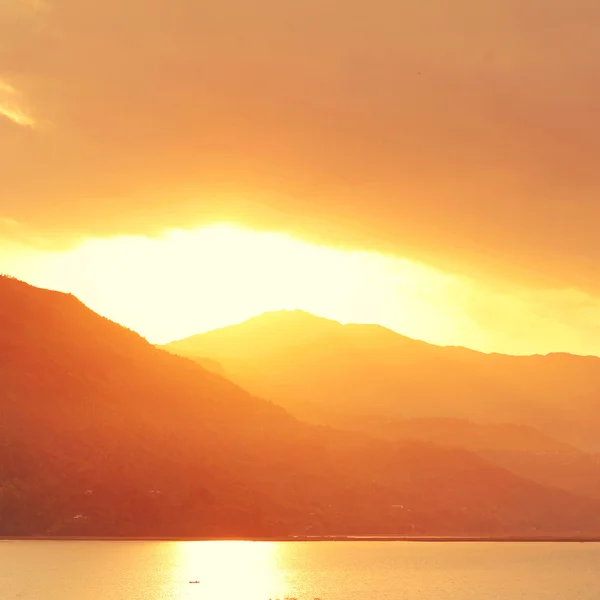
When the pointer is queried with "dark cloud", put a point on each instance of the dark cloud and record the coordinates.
(462, 133)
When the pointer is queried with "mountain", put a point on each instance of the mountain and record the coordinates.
(103, 434)
(310, 364)
(365, 378)
(456, 433)
(210, 365)
(522, 450)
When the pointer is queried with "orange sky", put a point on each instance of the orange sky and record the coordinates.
(460, 135)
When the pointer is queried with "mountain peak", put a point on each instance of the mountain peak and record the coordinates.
(284, 332)
(293, 317)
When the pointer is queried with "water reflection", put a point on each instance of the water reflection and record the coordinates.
(90, 570)
(228, 570)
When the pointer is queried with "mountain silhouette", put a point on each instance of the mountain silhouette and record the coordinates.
(312, 365)
(103, 434)
(519, 448)
(511, 410)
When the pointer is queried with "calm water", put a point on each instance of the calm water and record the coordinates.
(327, 570)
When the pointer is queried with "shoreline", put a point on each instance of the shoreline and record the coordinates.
(339, 538)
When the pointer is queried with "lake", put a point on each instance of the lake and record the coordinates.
(97, 570)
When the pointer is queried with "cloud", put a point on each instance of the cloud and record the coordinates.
(462, 134)
(10, 106)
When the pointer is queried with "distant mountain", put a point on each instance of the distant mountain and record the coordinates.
(521, 449)
(307, 363)
(103, 434)
(210, 365)
(456, 433)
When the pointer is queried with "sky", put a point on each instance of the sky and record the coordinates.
(454, 143)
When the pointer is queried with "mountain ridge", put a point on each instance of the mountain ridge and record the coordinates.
(267, 318)
(369, 370)
(103, 434)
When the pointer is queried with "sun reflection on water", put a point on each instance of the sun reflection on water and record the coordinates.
(228, 570)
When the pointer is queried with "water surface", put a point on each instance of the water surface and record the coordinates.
(90, 570)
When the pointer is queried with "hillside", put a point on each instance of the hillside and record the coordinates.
(455, 433)
(522, 450)
(103, 434)
(307, 363)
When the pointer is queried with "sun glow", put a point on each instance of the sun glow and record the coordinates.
(192, 281)
(187, 282)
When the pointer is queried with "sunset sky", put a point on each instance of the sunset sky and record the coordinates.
(427, 165)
